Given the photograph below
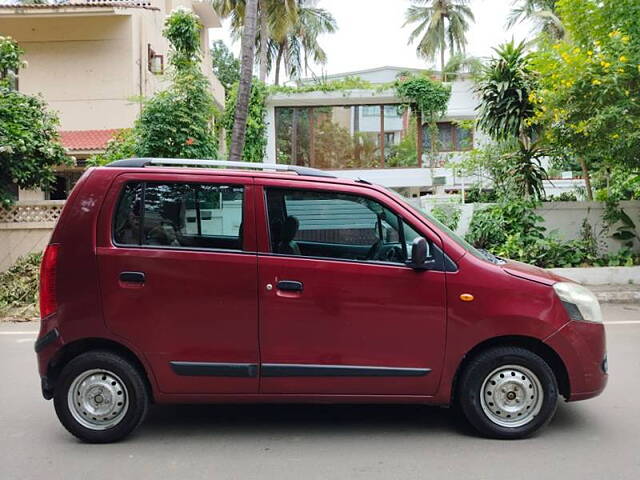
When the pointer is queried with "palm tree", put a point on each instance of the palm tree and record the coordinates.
(299, 46)
(246, 73)
(505, 110)
(442, 25)
(542, 13)
(275, 17)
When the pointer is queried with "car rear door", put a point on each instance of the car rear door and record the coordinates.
(178, 276)
(333, 321)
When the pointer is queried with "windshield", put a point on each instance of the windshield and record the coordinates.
(481, 254)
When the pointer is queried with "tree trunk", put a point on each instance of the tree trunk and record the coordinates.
(244, 87)
(587, 178)
(278, 62)
(264, 40)
(442, 74)
(419, 139)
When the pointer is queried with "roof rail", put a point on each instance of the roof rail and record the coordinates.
(147, 162)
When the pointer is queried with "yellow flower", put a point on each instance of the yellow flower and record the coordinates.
(623, 59)
(589, 52)
(625, 39)
(605, 64)
(576, 50)
(595, 81)
(614, 34)
(615, 135)
(621, 70)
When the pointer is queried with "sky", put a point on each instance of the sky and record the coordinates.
(370, 34)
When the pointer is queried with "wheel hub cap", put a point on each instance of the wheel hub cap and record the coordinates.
(98, 399)
(511, 396)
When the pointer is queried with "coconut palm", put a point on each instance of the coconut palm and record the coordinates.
(542, 13)
(442, 25)
(244, 86)
(275, 18)
(299, 46)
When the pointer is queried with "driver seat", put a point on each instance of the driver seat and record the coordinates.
(289, 229)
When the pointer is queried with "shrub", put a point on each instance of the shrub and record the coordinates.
(19, 287)
(448, 215)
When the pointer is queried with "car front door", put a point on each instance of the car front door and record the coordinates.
(340, 312)
(178, 275)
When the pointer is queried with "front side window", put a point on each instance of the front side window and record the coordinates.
(180, 215)
(336, 225)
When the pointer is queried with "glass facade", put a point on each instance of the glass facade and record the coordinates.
(357, 136)
(352, 136)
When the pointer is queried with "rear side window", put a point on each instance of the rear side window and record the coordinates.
(180, 215)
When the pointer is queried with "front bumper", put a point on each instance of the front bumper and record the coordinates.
(582, 347)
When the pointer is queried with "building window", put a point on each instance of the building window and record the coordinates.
(351, 136)
(451, 138)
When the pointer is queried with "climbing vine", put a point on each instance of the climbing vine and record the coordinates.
(424, 96)
(255, 142)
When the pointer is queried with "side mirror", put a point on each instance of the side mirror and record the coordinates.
(420, 254)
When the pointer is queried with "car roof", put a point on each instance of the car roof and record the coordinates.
(293, 172)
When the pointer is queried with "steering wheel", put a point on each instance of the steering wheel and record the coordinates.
(375, 250)
(394, 254)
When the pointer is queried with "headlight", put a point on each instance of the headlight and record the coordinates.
(579, 302)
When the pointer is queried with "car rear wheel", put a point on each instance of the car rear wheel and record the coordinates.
(507, 392)
(100, 397)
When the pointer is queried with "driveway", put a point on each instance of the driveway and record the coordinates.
(595, 439)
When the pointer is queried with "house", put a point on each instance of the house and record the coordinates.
(93, 61)
(366, 134)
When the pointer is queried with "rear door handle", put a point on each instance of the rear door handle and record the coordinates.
(132, 277)
(289, 285)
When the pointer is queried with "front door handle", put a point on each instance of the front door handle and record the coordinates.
(132, 277)
(289, 285)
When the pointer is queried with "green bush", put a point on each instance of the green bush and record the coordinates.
(513, 230)
(19, 287)
(448, 215)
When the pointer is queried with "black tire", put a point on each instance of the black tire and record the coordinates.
(128, 417)
(470, 395)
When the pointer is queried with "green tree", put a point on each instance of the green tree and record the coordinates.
(506, 113)
(29, 143)
(542, 13)
(299, 45)
(225, 65)
(287, 35)
(442, 25)
(273, 17)
(177, 122)
(588, 98)
(256, 130)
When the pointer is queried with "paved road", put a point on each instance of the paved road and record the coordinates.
(595, 439)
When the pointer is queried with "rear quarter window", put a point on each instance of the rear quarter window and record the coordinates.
(179, 215)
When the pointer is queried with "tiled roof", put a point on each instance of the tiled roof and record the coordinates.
(86, 139)
(83, 4)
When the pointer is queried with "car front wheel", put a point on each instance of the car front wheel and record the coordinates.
(100, 397)
(508, 392)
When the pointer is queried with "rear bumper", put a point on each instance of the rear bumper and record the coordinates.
(582, 347)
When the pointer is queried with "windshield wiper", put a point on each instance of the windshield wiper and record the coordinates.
(491, 257)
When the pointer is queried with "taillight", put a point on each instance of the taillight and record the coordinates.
(48, 300)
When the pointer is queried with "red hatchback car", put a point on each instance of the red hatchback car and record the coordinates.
(179, 285)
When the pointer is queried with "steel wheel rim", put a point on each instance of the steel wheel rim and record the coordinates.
(511, 396)
(98, 399)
